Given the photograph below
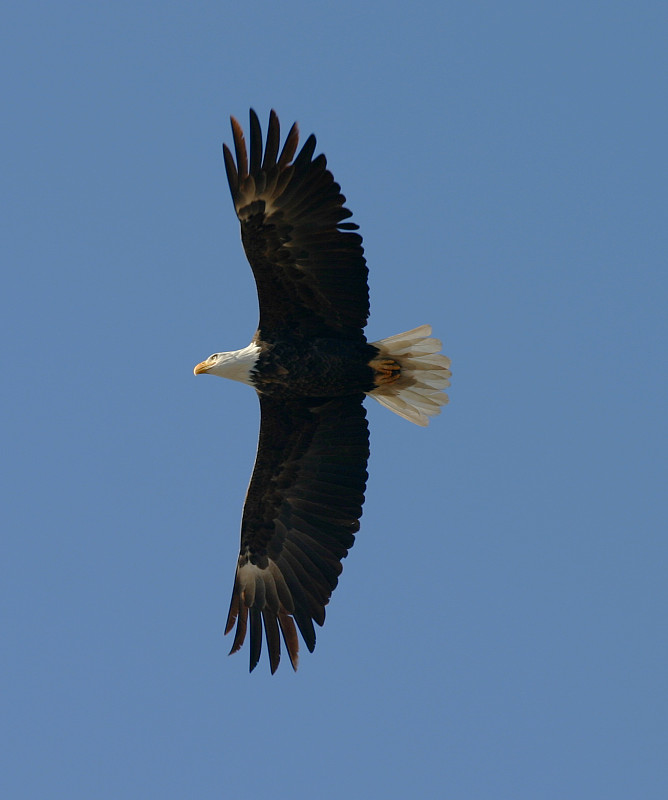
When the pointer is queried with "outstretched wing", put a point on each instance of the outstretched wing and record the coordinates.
(308, 263)
(301, 513)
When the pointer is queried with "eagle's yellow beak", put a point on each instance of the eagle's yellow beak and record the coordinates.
(201, 367)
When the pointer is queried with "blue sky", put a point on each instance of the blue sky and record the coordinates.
(500, 626)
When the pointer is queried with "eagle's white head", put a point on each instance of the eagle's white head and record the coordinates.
(235, 365)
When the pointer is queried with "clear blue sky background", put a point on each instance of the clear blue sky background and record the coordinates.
(500, 627)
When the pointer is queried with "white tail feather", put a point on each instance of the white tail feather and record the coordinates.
(417, 394)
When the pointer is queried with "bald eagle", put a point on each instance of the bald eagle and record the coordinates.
(311, 366)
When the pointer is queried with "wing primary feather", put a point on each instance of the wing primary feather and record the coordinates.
(273, 141)
(305, 156)
(231, 170)
(255, 144)
(240, 633)
(290, 147)
(305, 625)
(240, 149)
(234, 610)
(273, 639)
(255, 636)
(290, 638)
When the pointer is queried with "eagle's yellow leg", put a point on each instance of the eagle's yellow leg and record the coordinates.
(385, 370)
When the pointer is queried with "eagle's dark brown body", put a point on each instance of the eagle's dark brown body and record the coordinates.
(296, 366)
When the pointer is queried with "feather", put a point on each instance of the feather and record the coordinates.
(289, 147)
(290, 638)
(255, 144)
(240, 633)
(273, 639)
(255, 636)
(273, 142)
(239, 149)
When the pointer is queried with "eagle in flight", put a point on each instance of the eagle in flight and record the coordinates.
(311, 366)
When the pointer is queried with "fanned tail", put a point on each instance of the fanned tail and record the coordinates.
(417, 393)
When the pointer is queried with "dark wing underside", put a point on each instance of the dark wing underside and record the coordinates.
(309, 266)
(301, 513)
